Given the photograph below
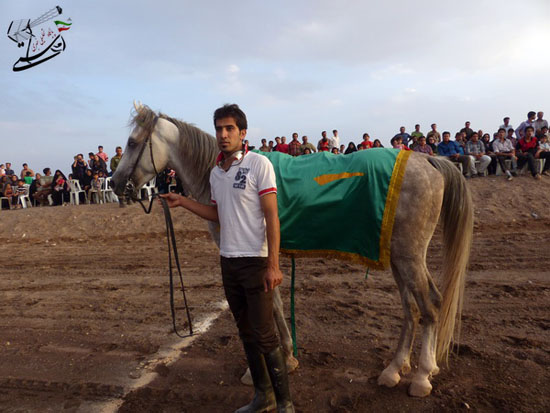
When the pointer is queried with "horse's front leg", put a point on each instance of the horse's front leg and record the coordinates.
(401, 362)
(284, 337)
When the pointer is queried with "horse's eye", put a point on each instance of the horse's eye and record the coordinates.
(131, 143)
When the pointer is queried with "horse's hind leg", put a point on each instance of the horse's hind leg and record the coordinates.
(401, 361)
(429, 301)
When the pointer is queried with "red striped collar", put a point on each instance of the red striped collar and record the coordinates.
(235, 157)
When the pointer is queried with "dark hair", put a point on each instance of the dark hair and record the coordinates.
(45, 170)
(334, 130)
(100, 147)
(507, 117)
(499, 129)
(231, 111)
(25, 164)
(365, 134)
(446, 133)
(416, 125)
(531, 114)
(529, 127)
(118, 147)
(28, 173)
(91, 154)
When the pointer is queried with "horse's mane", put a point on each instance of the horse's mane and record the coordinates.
(197, 148)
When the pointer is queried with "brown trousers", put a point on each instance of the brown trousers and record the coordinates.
(252, 307)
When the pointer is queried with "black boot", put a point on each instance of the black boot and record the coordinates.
(264, 398)
(276, 367)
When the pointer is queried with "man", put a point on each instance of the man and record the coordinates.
(416, 134)
(45, 187)
(244, 202)
(324, 145)
(506, 125)
(504, 150)
(511, 138)
(452, 150)
(79, 167)
(283, 146)
(9, 172)
(526, 149)
(540, 123)
(277, 143)
(265, 147)
(270, 145)
(405, 137)
(294, 147)
(520, 131)
(308, 145)
(434, 134)
(25, 170)
(335, 139)
(475, 149)
(342, 148)
(467, 130)
(116, 159)
(544, 153)
(102, 154)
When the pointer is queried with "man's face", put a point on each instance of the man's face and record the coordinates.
(510, 132)
(506, 120)
(119, 151)
(100, 149)
(324, 134)
(335, 133)
(446, 137)
(25, 167)
(434, 127)
(295, 136)
(467, 124)
(540, 115)
(417, 128)
(402, 129)
(304, 139)
(501, 135)
(228, 135)
(475, 137)
(422, 141)
(8, 165)
(283, 139)
(529, 133)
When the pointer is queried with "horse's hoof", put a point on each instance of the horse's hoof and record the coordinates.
(291, 363)
(435, 371)
(421, 388)
(246, 379)
(389, 379)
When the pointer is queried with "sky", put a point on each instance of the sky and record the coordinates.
(292, 66)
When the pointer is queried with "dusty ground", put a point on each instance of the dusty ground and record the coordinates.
(85, 322)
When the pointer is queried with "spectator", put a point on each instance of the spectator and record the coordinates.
(265, 147)
(416, 134)
(544, 153)
(366, 143)
(377, 144)
(115, 160)
(2, 169)
(43, 187)
(33, 188)
(306, 151)
(543, 132)
(476, 151)
(102, 154)
(335, 150)
(9, 171)
(324, 144)
(342, 148)
(95, 187)
(19, 191)
(504, 149)
(283, 146)
(520, 131)
(405, 137)
(98, 165)
(3, 181)
(8, 193)
(60, 189)
(13, 181)
(460, 140)
(434, 134)
(79, 167)
(335, 141)
(486, 140)
(277, 143)
(24, 171)
(397, 143)
(350, 149)
(511, 137)
(540, 123)
(467, 130)
(526, 149)
(28, 178)
(431, 144)
(295, 146)
(270, 144)
(452, 151)
(422, 147)
(506, 125)
(306, 144)
(86, 182)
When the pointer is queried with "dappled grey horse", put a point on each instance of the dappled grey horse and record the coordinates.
(158, 141)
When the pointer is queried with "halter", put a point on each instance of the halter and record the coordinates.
(170, 234)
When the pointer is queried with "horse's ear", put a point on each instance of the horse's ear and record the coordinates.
(137, 106)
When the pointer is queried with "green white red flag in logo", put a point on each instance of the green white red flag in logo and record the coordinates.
(62, 25)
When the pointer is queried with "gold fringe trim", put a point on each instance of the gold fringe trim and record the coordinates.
(392, 198)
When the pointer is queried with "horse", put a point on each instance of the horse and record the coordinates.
(158, 141)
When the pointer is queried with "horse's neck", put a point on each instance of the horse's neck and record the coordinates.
(194, 168)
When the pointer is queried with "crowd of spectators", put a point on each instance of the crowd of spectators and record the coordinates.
(478, 153)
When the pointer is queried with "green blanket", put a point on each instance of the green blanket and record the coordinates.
(339, 205)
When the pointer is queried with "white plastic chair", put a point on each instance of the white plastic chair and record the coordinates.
(108, 193)
(24, 199)
(76, 190)
(149, 188)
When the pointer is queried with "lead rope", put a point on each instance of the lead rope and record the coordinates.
(171, 240)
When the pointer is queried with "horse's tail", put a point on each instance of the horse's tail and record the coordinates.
(457, 218)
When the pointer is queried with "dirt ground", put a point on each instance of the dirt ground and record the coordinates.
(85, 321)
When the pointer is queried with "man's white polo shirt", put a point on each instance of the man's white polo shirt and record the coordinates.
(237, 194)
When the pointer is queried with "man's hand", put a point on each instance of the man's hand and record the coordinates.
(273, 278)
(172, 199)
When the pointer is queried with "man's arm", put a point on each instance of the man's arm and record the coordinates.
(274, 276)
(208, 212)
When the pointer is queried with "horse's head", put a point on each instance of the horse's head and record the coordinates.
(145, 154)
